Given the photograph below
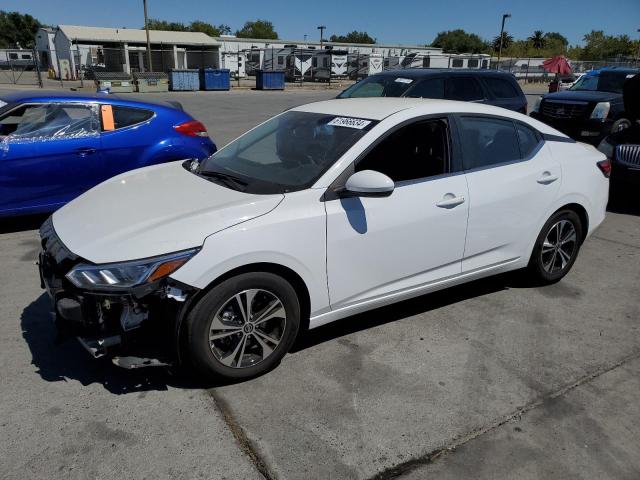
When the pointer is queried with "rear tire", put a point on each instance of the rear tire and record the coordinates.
(243, 327)
(556, 247)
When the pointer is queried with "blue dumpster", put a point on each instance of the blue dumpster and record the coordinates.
(184, 80)
(215, 79)
(270, 80)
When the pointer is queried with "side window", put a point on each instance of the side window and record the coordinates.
(501, 88)
(457, 63)
(529, 140)
(488, 141)
(51, 121)
(114, 117)
(430, 88)
(472, 63)
(463, 88)
(418, 150)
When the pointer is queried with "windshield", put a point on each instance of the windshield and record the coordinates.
(602, 82)
(378, 86)
(287, 153)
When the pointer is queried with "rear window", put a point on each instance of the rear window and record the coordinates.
(501, 88)
(126, 117)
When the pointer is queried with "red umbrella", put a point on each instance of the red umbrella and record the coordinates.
(557, 64)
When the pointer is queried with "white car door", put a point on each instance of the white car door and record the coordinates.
(415, 236)
(513, 180)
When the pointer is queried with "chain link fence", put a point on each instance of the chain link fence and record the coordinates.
(78, 65)
(19, 67)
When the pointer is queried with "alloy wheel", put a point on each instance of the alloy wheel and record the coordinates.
(247, 328)
(559, 246)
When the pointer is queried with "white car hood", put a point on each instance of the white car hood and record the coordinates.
(152, 211)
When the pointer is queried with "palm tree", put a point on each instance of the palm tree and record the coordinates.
(538, 40)
(507, 40)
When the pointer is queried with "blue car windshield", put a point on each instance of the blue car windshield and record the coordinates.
(606, 81)
(287, 153)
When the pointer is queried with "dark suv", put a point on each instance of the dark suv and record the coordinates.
(591, 109)
(623, 147)
(483, 86)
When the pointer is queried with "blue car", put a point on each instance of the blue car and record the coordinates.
(56, 145)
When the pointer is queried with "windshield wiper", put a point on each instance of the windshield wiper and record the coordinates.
(226, 178)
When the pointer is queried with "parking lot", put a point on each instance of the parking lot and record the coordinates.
(493, 379)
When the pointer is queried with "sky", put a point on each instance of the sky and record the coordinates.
(407, 22)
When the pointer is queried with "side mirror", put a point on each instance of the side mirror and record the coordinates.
(368, 183)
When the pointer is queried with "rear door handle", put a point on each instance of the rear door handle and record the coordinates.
(547, 178)
(450, 201)
(83, 152)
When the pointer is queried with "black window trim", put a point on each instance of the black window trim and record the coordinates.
(457, 118)
(115, 105)
(332, 192)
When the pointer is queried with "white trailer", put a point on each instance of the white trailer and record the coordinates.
(235, 62)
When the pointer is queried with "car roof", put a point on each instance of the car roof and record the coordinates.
(428, 72)
(61, 96)
(379, 108)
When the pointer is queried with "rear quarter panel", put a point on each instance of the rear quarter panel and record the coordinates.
(582, 181)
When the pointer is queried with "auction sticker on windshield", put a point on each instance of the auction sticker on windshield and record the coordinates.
(349, 122)
(403, 80)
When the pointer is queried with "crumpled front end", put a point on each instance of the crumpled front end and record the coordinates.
(136, 327)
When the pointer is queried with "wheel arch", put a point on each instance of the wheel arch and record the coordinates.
(287, 273)
(582, 214)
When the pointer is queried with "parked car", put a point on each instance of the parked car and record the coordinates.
(591, 109)
(564, 82)
(323, 211)
(623, 147)
(55, 146)
(482, 86)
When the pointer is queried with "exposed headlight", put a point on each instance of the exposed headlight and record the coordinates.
(128, 274)
(601, 111)
(536, 106)
(606, 148)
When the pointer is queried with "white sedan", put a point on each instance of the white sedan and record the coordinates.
(322, 212)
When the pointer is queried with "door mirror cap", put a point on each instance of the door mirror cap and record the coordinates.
(368, 183)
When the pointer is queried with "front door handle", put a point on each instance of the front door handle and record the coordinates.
(450, 201)
(547, 178)
(83, 152)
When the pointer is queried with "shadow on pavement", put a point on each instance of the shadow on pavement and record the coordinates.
(408, 308)
(59, 359)
(20, 224)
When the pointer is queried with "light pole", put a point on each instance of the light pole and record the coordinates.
(322, 29)
(638, 52)
(146, 27)
(504, 17)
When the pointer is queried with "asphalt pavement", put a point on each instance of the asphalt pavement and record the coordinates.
(489, 380)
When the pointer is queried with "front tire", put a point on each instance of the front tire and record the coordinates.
(244, 326)
(556, 247)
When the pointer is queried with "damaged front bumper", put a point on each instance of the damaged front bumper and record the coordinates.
(136, 327)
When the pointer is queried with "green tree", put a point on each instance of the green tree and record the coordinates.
(599, 46)
(17, 29)
(459, 41)
(257, 29)
(557, 38)
(211, 30)
(538, 40)
(507, 40)
(155, 24)
(353, 37)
